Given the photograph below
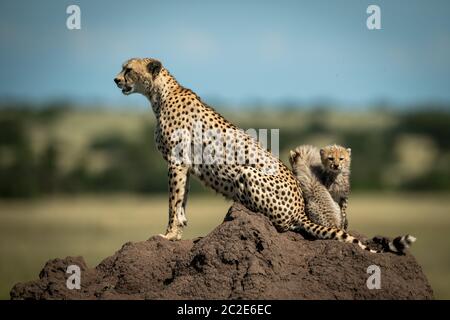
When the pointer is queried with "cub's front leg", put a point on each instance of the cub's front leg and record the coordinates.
(178, 188)
(343, 203)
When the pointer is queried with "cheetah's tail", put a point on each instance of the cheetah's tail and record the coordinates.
(400, 244)
(322, 232)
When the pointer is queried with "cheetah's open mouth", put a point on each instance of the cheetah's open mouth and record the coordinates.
(127, 89)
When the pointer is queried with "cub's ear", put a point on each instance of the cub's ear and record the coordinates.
(322, 152)
(154, 67)
(349, 151)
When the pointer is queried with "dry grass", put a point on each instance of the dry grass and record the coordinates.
(33, 232)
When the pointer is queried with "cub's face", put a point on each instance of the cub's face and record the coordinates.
(137, 75)
(335, 158)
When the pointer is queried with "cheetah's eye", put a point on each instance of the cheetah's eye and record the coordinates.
(341, 158)
(330, 158)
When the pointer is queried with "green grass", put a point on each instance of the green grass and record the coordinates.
(96, 226)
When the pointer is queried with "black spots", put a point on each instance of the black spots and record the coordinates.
(355, 241)
(333, 234)
(398, 244)
(344, 236)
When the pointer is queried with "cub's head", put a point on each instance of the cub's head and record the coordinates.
(138, 75)
(335, 158)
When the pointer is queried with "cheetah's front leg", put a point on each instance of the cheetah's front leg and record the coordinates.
(178, 186)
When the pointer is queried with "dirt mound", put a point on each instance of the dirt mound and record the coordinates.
(244, 257)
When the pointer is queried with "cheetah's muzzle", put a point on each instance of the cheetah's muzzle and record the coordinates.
(124, 87)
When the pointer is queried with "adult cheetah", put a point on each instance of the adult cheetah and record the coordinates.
(250, 175)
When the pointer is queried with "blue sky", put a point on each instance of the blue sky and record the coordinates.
(234, 51)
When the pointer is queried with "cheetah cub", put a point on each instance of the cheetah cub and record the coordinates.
(324, 177)
(336, 176)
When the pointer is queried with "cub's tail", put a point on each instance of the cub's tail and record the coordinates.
(302, 159)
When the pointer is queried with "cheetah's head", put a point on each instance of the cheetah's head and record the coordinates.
(138, 75)
(335, 158)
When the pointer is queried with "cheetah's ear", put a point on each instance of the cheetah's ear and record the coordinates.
(349, 151)
(322, 152)
(154, 67)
